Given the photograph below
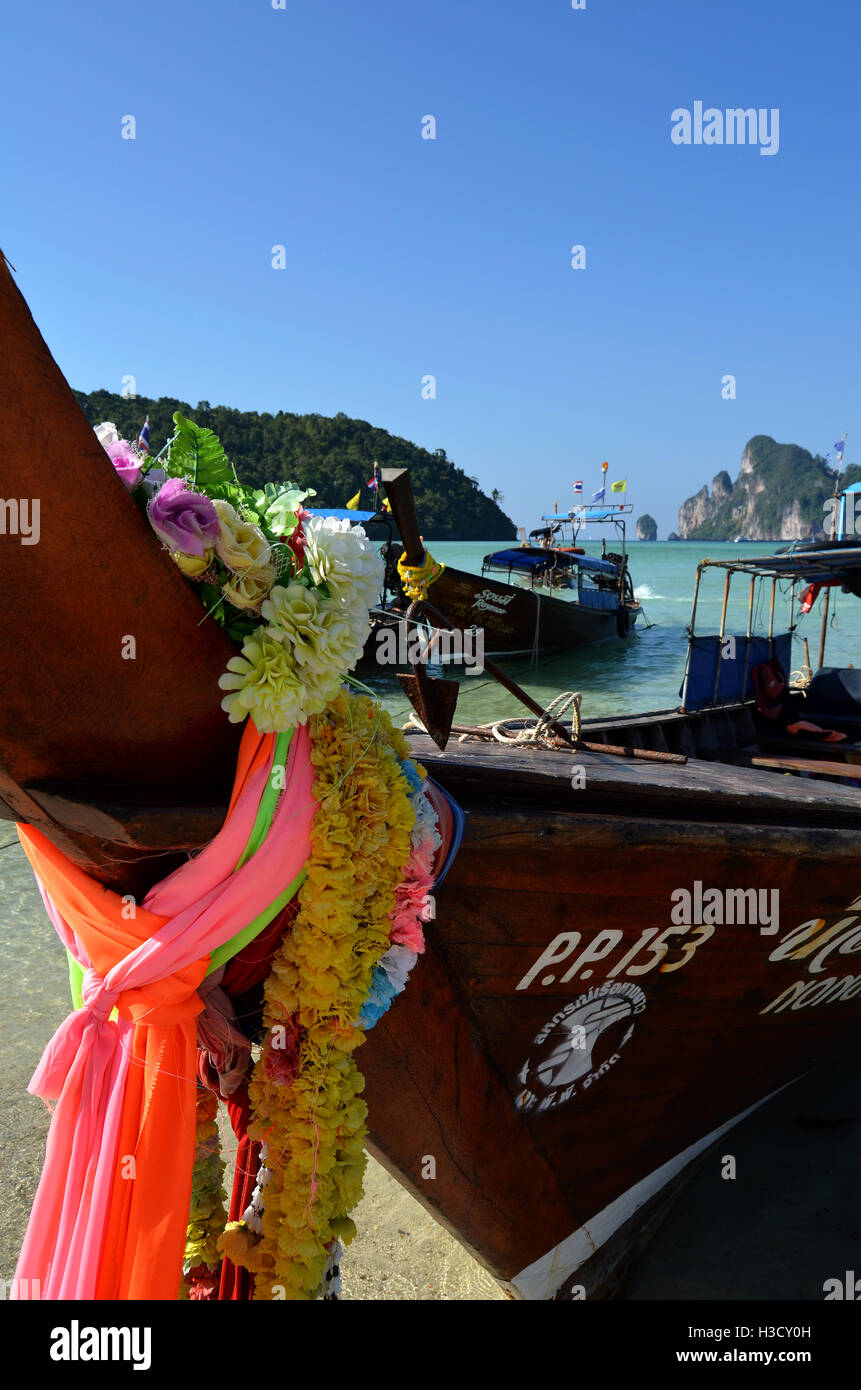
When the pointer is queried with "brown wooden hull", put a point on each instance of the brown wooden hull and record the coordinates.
(691, 1049)
(518, 619)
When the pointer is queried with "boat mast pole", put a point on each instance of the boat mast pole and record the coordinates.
(719, 656)
(691, 632)
(832, 537)
(749, 637)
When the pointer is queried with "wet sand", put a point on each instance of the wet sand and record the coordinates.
(789, 1220)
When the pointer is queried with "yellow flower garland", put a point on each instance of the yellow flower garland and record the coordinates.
(417, 579)
(321, 975)
(208, 1216)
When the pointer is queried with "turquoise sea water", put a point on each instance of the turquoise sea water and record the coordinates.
(642, 672)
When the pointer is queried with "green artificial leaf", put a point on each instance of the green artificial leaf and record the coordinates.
(233, 493)
(277, 503)
(196, 453)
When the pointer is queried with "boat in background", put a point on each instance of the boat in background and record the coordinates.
(542, 597)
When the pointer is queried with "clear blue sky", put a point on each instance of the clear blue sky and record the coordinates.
(406, 257)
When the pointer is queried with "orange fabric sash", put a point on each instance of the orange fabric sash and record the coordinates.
(112, 1207)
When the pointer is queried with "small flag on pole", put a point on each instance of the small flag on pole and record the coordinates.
(353, 503)
(621, 486)
(143, 437)
(578, 486)
(373, 483)
(599, 495)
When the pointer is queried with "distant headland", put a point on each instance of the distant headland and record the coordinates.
(779, 495)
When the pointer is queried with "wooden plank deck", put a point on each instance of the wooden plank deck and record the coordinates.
(706, 790)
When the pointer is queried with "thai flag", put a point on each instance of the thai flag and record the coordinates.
(838, 449)
(578, 486)
(143, 437)
(374, 483)
(599, 495)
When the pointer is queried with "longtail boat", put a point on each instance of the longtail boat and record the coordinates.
(545, 594)
(574, 1038)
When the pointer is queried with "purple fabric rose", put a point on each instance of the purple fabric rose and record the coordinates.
(184, 520)
(126, 461)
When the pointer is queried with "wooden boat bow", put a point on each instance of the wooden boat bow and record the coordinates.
(95, 587)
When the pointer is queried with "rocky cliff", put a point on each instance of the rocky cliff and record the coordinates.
(779, 494)
(647, 528)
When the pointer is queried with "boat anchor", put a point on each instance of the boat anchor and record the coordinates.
(434, 700)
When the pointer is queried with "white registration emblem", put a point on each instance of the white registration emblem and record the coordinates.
(578, 1045)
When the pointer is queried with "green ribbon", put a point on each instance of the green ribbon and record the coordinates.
(260, 829)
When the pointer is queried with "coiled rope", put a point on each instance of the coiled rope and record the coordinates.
(540, 730)
(537, 731)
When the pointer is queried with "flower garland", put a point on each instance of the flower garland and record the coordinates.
(413, 906)
(417, 579)
(306, 1089)
(202, 1265)
(292, 588)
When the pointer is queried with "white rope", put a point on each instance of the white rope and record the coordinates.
(540, 729)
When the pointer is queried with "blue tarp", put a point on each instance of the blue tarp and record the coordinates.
(703, 657)
(598, 598)
(834, 690)
(587, 562)
(528, 560)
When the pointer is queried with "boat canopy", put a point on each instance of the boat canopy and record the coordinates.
(819, 561)
(529, 561)
(341, 513)
(598, 513)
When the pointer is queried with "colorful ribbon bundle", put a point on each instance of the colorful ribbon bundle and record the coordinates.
(350, 829)
(110, 1214)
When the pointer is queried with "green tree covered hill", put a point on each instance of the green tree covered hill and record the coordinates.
(334, 454)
